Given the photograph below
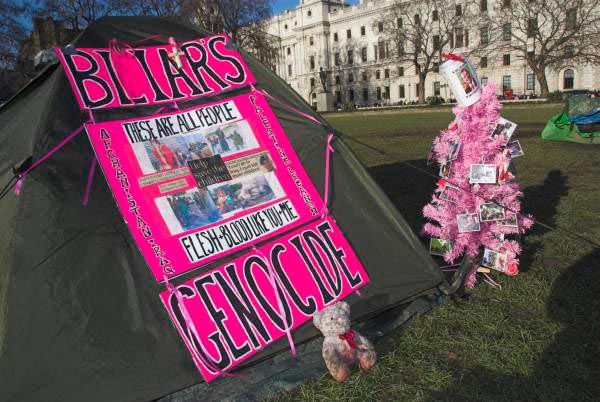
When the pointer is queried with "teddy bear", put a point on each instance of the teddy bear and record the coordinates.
(342, 346)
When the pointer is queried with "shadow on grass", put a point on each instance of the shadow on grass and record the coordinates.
(542, 202)
(568, 369)
(409, 189)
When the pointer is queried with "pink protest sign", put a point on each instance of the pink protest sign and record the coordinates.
(108, 78)
(197, 184)
(234, 308)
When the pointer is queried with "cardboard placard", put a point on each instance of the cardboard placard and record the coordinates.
(234, 307)
(179, 222)
(102, 78)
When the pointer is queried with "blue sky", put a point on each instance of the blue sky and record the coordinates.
(280, 5)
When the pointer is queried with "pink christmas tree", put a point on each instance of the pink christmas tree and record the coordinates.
(476, 206)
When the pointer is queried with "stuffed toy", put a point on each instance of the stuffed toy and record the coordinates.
(342, 346)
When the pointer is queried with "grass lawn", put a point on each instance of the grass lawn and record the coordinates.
(536, 339)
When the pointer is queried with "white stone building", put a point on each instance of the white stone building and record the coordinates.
(317, 32)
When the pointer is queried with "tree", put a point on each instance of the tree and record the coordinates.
(77, 14)
(547, 34)
(159, 8)
(245, 21)
(12, 31)
(420, 30)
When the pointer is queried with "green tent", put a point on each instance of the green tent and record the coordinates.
(80, 317)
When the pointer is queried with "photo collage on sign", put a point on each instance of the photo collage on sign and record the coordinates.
(225, 184)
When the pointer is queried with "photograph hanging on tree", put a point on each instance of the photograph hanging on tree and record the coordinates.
(494, 260)
(510, 221)
(504, 172)
(482, 174)
(439, 246)
(490, 211)
(504, 128)
(445, 170)
(448, 192)
(468, 223)
(454, 147)
(514, 149)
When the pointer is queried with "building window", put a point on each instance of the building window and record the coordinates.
(386, 93)
(459, 39)
(365, 94)
(337, 79)
(378, 93)
(377, 74)
(289, 70)
(417, 88)
(458, 10)
(309, 13)
(311, 41)
(531, 55)
(483, 62)
(436, 42)
(530, 82)
(365, 76)
(311, 61)
(363, 54)
(484, 81)
(289, 51)
(436, 67)
(363, 31)
(386, 73)
(466, 38)
(571, 20)
(376, 51)
(401, 92)
(506, 84)
(569, 50)
(506, 32)
(338, 97)
(351, 95)
(568, 79)
(312, 82)
(506, 3)
(399, 22)
(335, 37)
(435, 15)
(506, 60)
(336, 59)
(532, 26)
(350, 57)
(350, 77)
(348, 33)
(483, 5)
(382, 47)
(436, 88)
(285, 27)
(380, 26)
(417, 19)
(401, 71)
(484, 35)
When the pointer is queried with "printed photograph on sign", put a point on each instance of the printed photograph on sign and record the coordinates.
(188, 210)
(238, 194)
(176, 151)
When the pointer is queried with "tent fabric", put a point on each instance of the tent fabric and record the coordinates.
(80, 316)
(560, 128)
(583, 109)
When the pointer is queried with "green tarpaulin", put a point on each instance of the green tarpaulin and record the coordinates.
(559, 128)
